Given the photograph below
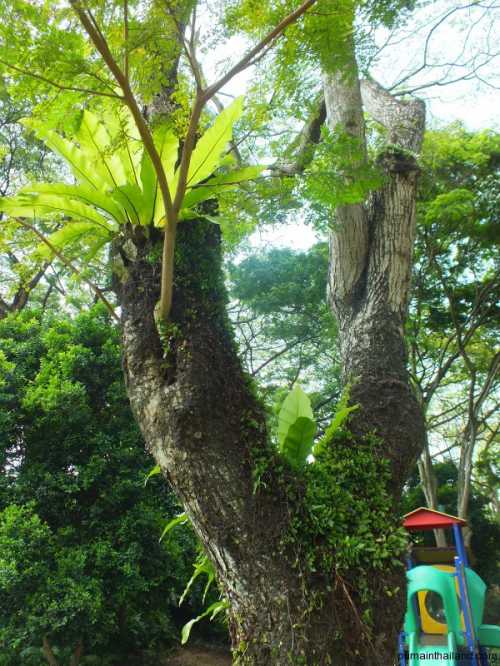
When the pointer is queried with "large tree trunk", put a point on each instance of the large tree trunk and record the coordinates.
(297, 593)
(205, 428)
(371, 248)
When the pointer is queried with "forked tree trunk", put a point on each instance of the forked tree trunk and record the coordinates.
(203, 424)
(205, 428)
(371, 249)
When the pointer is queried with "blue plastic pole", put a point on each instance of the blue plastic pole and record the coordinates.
(466, 609)
(401, 642)
(459, 544)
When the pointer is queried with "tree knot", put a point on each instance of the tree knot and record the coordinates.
(394, 159)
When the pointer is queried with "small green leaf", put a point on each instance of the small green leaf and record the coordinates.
(298, 443)
(202, 566)
(152, 472)
(295, 405)
(213, 610)
(182, 519)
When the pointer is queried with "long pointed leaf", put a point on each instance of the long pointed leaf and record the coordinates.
(71, 233)
(298, 442)
(75, 158)
(181, 519)
(64, 205)
(295, 405)
(152, 472)
(167, 145)
(84, 193)
(219, 184)
(207, 154)
(32, 208)
(213, 610)
(127, 141)
(97, 145)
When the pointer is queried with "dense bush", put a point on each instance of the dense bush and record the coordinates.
(81, 568)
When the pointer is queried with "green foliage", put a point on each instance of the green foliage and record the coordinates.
(79, 551)
(181, 519)
(202, 567)
(44, 589)
(152, 472)
(116, 180)
(456, 272)
(347, 506)
(46, 40)
(342, 413)
(296, 428)
(22, 157)
(337, 176)
(281, 306)
(345, 529)
(213, 610)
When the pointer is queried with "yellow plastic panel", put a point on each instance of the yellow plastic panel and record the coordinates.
(429, 624)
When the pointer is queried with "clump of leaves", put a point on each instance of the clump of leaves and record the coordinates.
(202, 567)
(297, 426)
(338, 175)
(116, 183)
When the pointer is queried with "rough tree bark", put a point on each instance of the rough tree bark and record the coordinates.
(371, 248)
(206, 429)
(202, 423)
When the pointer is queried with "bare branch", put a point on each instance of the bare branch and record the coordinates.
(279, 353)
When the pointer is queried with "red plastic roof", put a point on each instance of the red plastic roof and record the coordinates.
(428, 519)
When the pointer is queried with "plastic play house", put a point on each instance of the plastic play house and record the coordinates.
(445, 601)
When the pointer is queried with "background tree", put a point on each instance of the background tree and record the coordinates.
(22, 158)
(284, 327)
(452, 331)
(82, 571)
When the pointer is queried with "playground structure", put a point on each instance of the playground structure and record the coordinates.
(445, 601)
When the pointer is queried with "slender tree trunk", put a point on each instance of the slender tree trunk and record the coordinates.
(428, 482)
(77, 654)
(465, 478)
(48, 653)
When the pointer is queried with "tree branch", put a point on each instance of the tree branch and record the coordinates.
(59, 86)
(67, 262)
(246, 61)
(302, 149)
(405, 120)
